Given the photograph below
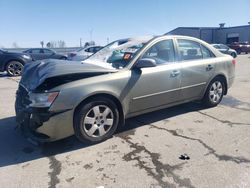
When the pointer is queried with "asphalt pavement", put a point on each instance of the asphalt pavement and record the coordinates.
(183, 146)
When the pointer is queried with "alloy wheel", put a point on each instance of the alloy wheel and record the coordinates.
(15, 68)
(98, 121)
(216, 92)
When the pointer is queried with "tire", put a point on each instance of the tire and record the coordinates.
(238, 51)
(234, 55)
(91, 125)
(214, 92)
(63, 58)
(14, 68)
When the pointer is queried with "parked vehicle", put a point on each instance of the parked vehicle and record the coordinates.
(91, 99)
(13, 62)
(44, 53)
(241, 47)
(83, 53)
(225, 49)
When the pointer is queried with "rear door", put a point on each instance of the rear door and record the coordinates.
(156, 86)
(197, 68)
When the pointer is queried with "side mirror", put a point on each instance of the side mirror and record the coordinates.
(145, 62)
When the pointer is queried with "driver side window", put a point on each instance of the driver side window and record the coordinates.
(162, 52)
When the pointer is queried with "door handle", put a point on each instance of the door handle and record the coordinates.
(175, 73)
(209, 67)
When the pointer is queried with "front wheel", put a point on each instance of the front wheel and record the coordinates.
(96, 120)
(214, 93)
(14, 68)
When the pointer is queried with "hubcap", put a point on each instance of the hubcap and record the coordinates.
(215, 92)
(15, 68)
(98, 121)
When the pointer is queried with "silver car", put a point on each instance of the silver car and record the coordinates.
(225, 49)
(126, 78)
(83, 53)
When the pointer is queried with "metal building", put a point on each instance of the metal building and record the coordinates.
(223, 35)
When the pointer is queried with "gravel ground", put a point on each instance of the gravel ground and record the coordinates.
(145, 154)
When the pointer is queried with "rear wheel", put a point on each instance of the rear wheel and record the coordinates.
(63, 58)
(214, 93)
(14, 68)
(96, 120)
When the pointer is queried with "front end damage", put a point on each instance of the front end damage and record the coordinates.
(39, 122)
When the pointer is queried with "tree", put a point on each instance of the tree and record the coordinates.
(14, 45)
(42, 43)
(61, 44)
(90, 43)
(56, 44)
(51, 44)
(48, 45)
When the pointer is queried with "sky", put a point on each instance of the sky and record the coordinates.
(27, 22)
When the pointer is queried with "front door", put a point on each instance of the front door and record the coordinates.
(156, 86)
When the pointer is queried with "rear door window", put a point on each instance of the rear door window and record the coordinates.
(189, 50)
(47, 51)
(35, 51)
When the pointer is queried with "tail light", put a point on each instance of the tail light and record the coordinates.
(234, 62)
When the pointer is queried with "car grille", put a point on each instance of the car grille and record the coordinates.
(22, 99)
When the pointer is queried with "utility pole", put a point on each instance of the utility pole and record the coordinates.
(80, 42)
(107, 40)
(91, 33)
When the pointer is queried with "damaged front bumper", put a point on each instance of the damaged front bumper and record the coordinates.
(42, 124)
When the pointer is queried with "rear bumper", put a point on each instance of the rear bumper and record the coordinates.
(45, 126)
(230, 82)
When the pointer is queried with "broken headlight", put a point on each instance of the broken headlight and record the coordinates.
(42, 99)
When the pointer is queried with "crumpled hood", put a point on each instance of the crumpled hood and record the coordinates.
(35, 73)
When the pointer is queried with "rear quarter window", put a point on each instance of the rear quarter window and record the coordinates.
(206, 53)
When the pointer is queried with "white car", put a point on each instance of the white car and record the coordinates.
(83, 53)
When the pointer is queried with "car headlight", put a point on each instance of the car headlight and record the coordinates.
(42, 99)
(26, 57)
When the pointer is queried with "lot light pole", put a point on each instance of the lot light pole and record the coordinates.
(91, 34)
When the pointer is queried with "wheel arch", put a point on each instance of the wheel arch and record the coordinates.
(221, 76)
(13, 59)
(108, 96)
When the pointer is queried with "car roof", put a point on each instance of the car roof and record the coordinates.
(39, 49)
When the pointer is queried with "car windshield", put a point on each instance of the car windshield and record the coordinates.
(117, 54)
(79, 50)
